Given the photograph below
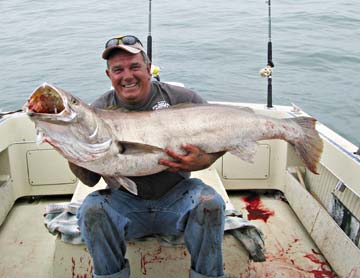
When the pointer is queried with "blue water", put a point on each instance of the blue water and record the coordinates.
(214, 48)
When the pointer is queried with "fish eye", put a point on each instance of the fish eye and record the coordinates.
(74, 101)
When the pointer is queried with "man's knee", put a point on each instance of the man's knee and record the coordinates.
(92, 213)
(92, 203)
(96, 213)
(210, 210)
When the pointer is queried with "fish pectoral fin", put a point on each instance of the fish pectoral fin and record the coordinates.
(246, 151)
(136, 148)
(127, 183)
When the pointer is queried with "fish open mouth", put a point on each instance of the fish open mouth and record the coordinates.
(45, 100)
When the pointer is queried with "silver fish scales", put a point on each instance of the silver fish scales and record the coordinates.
(123, 144)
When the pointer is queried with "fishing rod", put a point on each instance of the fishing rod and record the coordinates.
(149, 37)
(154, 69)
(267, 71)
(270, 62)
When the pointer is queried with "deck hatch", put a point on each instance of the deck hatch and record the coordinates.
(235, 168)
(46, 166)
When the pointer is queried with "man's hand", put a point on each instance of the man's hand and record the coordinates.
(193, 160)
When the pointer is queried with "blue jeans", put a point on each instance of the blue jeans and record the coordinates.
(107, 218)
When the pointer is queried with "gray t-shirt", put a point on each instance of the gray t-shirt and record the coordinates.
(162, 96)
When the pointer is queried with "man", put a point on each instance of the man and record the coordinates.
(169, 202)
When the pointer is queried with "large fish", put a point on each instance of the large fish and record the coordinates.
(124, 144)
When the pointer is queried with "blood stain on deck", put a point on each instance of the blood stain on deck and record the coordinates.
(323, 269)
(158, 256)
(80, 265)
(255, 208)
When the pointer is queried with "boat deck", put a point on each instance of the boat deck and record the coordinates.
(290, 228)
(27, 248)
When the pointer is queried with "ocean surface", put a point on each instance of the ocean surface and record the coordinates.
(213, 47)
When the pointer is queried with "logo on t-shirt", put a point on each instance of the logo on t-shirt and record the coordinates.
(161, 105)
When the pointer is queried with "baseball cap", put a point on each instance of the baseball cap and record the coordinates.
(128, 43)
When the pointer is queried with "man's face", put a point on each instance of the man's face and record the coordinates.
(130, 77)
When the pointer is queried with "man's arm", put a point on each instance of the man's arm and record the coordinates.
(195, 159)
(87, 177)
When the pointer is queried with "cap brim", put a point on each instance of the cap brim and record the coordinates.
(128, 48)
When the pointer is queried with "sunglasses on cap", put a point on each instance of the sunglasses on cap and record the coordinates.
(125, 40)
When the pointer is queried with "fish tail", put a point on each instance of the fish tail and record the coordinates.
(309, 146)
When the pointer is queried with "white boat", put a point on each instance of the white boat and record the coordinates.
(310, 222)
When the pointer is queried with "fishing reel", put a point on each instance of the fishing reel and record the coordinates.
(155, 72)
(266, 72)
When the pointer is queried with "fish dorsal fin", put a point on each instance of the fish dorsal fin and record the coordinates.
(246, 109)
(136, 148)
(240, 108)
